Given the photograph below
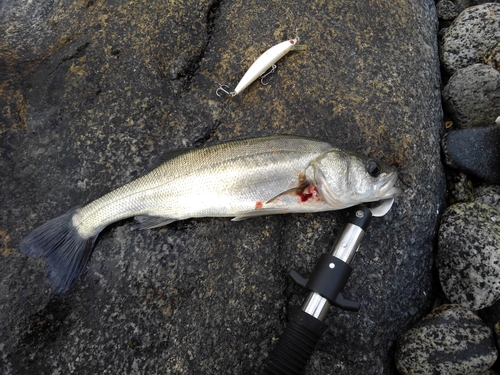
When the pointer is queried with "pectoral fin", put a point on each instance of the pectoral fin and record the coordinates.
(293, 191)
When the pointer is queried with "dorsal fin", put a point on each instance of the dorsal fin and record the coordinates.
(166, 156)
(171, 154)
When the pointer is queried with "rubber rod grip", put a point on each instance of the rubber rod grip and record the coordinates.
(295, 346)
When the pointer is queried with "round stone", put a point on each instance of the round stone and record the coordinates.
(474, 151)
(450, 340)
(471, 37)
(472, 96)
(468, 256)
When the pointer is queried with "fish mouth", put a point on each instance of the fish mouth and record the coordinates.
(387, 188)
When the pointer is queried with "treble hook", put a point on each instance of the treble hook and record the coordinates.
(273, 69)
(223, 89)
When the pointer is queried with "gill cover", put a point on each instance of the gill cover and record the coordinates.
(346, 178)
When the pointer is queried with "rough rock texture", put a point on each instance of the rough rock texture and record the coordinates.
(475, 151)
(93, 93)
(459, 187)
(450, 9)
(493, 57)
(489, 194)
(471, 37)
(468, 258)
(472, 96)
(450, 340)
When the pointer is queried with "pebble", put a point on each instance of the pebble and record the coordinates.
(450, 340)
(475, 151)
(472, 96)
(468, 255)
(471, 37)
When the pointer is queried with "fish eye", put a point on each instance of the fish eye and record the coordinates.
(372, 167)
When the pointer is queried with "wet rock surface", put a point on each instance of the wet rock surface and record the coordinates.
(468, 258)
(450, 340)
(475, 151)
(93, 93)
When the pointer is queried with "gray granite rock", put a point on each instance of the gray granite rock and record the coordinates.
(488, 194)
(459, 187)
(472, 96)
(93, 93)
(450, 340)
(468, 256)
(475, 151)
(450, 9)
(471, 37)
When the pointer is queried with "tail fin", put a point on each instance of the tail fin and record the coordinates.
(66, 253)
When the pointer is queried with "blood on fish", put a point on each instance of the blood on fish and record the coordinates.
(292, 41)
(310, 192)
(258, 205)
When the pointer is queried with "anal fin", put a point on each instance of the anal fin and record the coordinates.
(149, 222)
(243, 215)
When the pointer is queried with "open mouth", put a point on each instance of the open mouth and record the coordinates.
(388, 190)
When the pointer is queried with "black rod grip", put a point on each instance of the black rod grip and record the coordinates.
(295, 345)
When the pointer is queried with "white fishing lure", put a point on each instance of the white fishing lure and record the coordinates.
(262, 64)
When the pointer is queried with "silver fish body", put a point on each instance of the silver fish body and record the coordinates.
(240, 179)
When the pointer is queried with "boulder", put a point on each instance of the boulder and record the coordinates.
(468, 257)
(93, 93)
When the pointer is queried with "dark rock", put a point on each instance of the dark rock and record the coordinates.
(479, 2)
(468, 256)
(450, 340)
(472, 96)
(471, 37)
(92, 93)
(475, 151)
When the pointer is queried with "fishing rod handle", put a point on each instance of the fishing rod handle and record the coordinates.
(295, 346)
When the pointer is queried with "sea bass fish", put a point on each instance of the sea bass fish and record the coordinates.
(239, 179)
